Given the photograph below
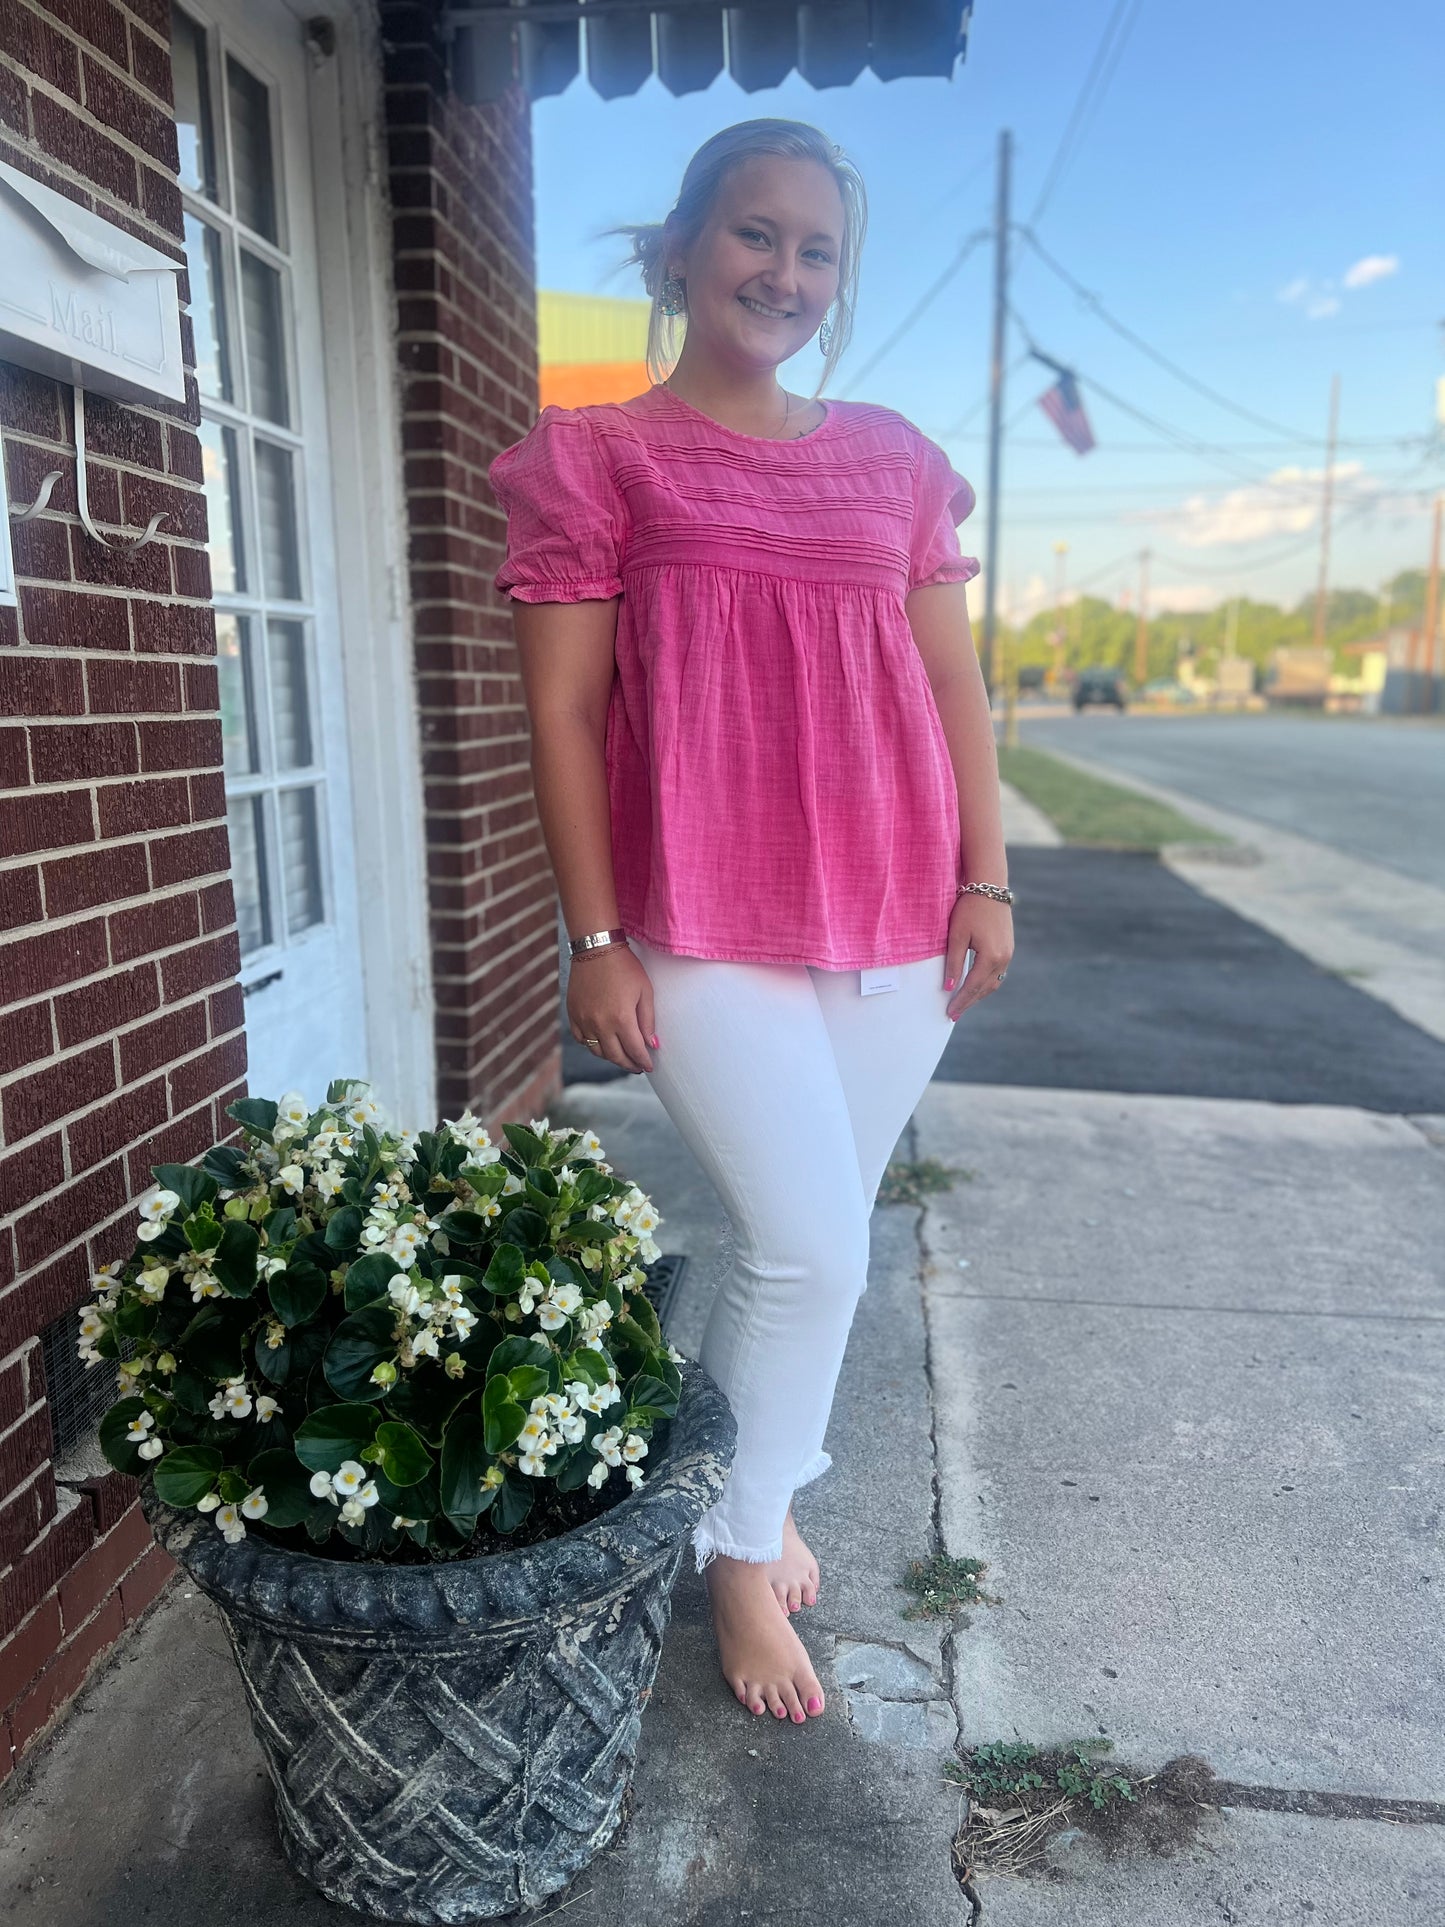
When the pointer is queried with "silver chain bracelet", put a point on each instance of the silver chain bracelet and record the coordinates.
(997, 891)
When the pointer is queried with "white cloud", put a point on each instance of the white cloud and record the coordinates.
(1295, 290)
(1321, 306)
(1372, 267)
(1184, 598)
(1287, 503)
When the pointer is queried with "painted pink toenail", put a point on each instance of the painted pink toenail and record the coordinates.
(815, 1705)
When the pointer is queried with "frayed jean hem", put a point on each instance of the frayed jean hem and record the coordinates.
(708, 1542)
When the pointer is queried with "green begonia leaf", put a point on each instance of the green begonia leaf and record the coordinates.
(343, 1230)
(367, 1279)
(504, 1417)
(404, 1458)
(513, 1501)
(464, 1459)
(328, 1438)
(186, 1475)
(358, 1345)
(297, 1293)
(234, 1259)
(285, 1484)
(123, 1453)
(192, 1186)
(256, 1113)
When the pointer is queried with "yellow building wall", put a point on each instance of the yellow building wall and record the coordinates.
(590, 348)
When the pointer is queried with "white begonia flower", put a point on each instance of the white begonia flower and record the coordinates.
(533, 1435)
(573, 1427)
(292, 1180)
(589, 1146)
(400, 1519)
(540, 1125)
(533, 1463)
(651, 1250)
(293, 1110)
(488, 1207)
(385, 1196)
(255, 1504)
(635, 1447)
(551, 1316)
(598, 1473)
(266, 1408)
(152, 1281)
(345, 1142)
(204, 1284)
(634, 1475)
(352, 1483)
(329, 1180)
(675, 1355)
(322, 1488)
(527, 1297)
(91, 1323)
(108, 1274)
(608, 1445)
(463, 1319)
(158, 1204)
(512, 1185)
(567, 1297)
(593, 1344)
(425, 1344)
(404, 1294)
(233, 1400)
(142, 1423)
(353, 1512)
(152, 1449)
(127, 1378)
(362, 1109)
(209, 1502)
(232, 1525)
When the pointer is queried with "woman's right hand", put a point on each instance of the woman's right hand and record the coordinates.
(609, 997)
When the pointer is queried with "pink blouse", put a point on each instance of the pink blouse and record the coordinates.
(780, 784)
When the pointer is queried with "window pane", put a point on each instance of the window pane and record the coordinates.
(208, 308)
(220, 466)
(247, 825)
(290, 703)
(253, 176)
(238, 695)
(265, 342)
(195, 133)
(300, 859)
(276, 506)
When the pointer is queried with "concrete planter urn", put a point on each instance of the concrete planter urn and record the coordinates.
(452, 1741)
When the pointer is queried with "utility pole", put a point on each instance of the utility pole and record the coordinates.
(1326, 512)
(1061, 551)
(1141, 632)
(995, 416)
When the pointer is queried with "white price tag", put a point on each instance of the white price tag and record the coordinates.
(884, 977)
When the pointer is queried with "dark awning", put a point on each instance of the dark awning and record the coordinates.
(688, 43)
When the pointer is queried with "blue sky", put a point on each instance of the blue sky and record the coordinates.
(1245, 159)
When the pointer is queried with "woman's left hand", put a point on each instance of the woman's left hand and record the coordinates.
(986, 928)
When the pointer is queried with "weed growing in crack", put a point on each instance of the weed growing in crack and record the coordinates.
(910, 1182)
(942, 1584)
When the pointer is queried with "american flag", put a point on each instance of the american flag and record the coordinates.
(1064, 409)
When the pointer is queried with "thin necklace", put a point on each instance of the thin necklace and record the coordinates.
(787, 408)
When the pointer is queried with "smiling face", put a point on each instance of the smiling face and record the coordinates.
(765, 267)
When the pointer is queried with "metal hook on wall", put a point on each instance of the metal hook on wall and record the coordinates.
(127, 544)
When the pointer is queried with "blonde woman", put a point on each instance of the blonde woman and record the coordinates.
(764, 766)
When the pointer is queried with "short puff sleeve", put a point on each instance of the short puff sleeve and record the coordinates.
(941, 500)
(565, 514)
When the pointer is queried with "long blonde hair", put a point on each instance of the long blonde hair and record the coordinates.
(652, 241)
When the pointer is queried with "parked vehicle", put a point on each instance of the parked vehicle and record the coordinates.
(1099, 686)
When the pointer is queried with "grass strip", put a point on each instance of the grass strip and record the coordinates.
(1086, 809)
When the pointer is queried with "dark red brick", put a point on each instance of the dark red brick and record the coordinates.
(44, 820)
(129, 808)
(130, 688)
(70, 619)
(177, 859)
(171, 1035)
(218, 906)
(78, 752)
(78, 145)
(25, 1653)
(113, 1126)
(151, 64)
(43, 1564)
(87, 1585)
(141, 122)
(146, 1581)
(31, 1171)
(184, 508)
(30, 404)
(173, 629)
(42, 963)
(183, 745)
(192, 573)
(66, 1674)
(121, 433)
(20, 900)
(40, 50)
(227, 1010)
(186, 972)
(40, 685)
(14, 759)
(156, 925)
(203, 686)
(97, 21)
(161, 199)
(41, 548)
(61, 1219)
(184, 1139)
(142, 571)
(44, 1096)
(95, 876)
(26, 1037)
(41, 1298)
(120, 997)
(184, 453)
(208, 792)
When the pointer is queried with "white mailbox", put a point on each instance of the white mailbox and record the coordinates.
(83, 300)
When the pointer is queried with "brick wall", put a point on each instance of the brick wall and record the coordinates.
(461, 189)
(121, 1028)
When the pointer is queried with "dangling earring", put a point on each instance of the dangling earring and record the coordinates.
(825, 335)
(672, 295)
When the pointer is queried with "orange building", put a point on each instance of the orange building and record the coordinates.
(591, 348)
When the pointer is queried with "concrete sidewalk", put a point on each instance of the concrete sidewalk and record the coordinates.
(1182, 1395)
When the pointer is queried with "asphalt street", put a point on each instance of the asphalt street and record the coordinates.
(1127, 979)
(1372, 787)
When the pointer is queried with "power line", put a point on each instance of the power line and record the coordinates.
(1091, 300)
(978, 236)
(1087, 97)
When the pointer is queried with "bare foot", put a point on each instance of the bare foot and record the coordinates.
(794, 1577)
(763, 1659)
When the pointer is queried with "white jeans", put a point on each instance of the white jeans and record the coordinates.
(791, 1088)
